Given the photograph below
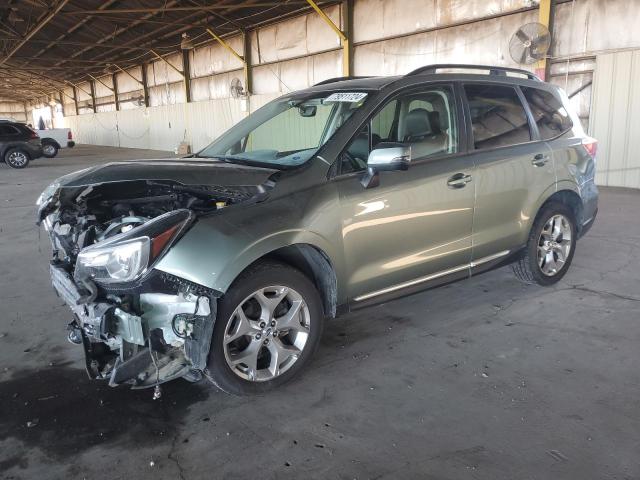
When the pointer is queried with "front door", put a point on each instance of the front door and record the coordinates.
(416, 224)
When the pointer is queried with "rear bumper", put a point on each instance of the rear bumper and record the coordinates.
(71, 144)
(33, 151)
(589, 194)
(586, 226)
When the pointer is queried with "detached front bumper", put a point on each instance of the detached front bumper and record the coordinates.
(140, 339)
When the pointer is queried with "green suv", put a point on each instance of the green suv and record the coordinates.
(349, 193)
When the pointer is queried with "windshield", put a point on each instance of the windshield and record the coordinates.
(286, 132)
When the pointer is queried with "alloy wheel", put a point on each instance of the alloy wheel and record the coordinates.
(267, 333)
(17, 159)
(554, 245)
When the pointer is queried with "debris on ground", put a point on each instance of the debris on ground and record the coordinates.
(33, 423)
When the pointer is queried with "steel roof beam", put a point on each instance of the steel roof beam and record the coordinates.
(37, 27)
(156, 10)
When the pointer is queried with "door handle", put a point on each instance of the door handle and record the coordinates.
(459, 180)
(540, 160)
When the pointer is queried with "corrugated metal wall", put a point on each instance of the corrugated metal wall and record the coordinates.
(12, 110)
(615, 118)
(160, 128)
(390, 37)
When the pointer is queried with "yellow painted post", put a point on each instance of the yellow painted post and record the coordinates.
(243, 58)
(344, 40)
(544, 17)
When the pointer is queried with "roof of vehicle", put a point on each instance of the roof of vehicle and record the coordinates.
(430, 73)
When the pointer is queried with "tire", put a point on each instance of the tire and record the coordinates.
(554, 223)
(16, 158)
(293, 292)
(49, 150)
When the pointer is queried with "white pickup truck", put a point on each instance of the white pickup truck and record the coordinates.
(54, 139)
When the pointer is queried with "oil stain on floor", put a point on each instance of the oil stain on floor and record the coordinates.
(62, 412)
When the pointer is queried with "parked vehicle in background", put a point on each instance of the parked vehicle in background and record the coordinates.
(54, 139)
(346, 194)
(18, 144)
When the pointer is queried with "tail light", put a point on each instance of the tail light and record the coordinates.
(69, 135)
(591, 146)
(33, 135)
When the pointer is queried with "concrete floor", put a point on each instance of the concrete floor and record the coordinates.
(485, 378)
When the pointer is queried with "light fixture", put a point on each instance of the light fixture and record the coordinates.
(13, 17)
(186, 43)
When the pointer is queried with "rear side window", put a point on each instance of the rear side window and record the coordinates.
(498, 117)
(549, 113)
(8, 130)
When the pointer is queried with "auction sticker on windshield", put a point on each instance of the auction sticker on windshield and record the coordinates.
(345, 97)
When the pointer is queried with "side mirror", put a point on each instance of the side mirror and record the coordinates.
(386, 157)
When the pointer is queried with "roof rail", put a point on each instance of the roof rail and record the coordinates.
(337, 79)
(493, 70)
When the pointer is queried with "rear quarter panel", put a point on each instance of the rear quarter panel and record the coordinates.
(575, 170)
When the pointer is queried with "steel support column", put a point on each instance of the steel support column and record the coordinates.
(246, 49)
(92, 87)
(61, 99)
(145, 85)
(246, 53)
(344, 39)
(186, 75)
(114, 81)
(545, 15)
(75, 100)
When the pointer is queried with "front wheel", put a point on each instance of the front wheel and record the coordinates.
(16, 158)
(550, 248)
(268, 326)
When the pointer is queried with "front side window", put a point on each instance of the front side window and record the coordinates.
(286, 132)
(549, 113)
(425, 120)
(498, 117)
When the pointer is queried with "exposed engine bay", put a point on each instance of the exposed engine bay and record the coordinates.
(137, 325)
(92, 214)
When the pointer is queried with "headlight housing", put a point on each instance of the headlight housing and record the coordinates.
(47, 193)
(127, 257)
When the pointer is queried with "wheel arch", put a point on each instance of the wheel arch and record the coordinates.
(51, 141)
(315, 264)
(15, 146)
(572, 200)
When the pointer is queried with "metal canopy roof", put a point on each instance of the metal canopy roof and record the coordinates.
(46, 43)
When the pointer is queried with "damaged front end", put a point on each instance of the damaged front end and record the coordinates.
(137, 325)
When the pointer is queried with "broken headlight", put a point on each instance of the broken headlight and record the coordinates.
(47, 193)
(126, 257)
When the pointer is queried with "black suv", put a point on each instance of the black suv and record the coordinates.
(18, 144)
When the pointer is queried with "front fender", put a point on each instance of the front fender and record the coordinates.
(213, 254)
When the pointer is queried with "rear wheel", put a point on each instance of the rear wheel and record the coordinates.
(16, 158)
(550, 247)
(49, 150)
(268, 326)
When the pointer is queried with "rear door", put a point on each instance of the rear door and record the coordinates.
(514, 169)
(416, 224)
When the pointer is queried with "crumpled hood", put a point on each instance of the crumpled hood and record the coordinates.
(187, 171)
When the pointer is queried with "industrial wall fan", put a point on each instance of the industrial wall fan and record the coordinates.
(530, 43)
(236, 89)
